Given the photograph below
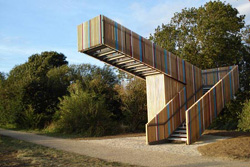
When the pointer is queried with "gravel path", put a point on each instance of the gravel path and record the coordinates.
(132, 150)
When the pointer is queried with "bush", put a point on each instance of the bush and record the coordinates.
(244, 122)
(84, 113)
(29, 119)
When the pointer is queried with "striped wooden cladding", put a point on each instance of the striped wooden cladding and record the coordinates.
(168, 119)
(212, 76)
(90, 33)
(178, 100)
(200, 115)
(171, 116)
(104, 31)
(143, 50)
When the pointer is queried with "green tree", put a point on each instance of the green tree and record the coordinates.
(208, 36)
(30, 87)
(134, 104)
(2, 77)
(93, 105)
(100, 81)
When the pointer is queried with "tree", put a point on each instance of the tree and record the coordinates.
(2, 77)
(134, 104)
(93, 105)
(101, 81)
(29, 87)
(208, 36)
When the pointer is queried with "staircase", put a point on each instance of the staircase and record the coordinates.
(206, 88)
(192, 97)
(179, 134)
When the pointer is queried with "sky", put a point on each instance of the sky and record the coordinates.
(32, 26)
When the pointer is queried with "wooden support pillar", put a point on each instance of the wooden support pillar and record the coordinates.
(160, 89)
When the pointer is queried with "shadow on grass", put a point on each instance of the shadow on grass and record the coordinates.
(227, 133)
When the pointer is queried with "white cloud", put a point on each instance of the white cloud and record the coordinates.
(148, 18)
(244, 9)
(144, 19)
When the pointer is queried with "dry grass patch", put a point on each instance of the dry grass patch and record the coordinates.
(17, 153)
(237, 147)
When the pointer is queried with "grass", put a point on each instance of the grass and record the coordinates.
(17, 153)
(52, 133)
(236, 147)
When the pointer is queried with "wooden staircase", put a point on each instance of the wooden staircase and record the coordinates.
(179, 134)
(206, 88)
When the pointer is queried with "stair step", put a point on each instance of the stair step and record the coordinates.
(179, 135)
(182, 128)
(177, 139)
(180, 131)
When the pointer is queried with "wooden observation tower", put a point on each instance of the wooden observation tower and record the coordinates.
(182, 99)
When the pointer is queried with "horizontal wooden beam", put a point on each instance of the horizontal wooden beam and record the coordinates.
(133, 65)
(106, 53)
(151, 73)
(124, 62)
(145, 69)
(116, 57)
(141, 67)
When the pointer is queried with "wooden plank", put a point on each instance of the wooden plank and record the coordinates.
(155, 98)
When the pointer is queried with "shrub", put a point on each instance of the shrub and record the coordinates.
(29, 119)
(244, 122)
(84, 112)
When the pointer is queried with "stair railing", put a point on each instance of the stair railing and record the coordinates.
(169, 118)
(201, 114)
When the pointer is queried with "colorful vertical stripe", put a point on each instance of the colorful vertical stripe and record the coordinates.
(199, 114)
(82, 37)
(184, 71)
(166, 61)
(168, 116)
(131, 44)
(157, 128)
(185, 97)
(122, 38)
(170, 63)
(140, 45)
(89, 33)
(215, 103)
(154, 55)
(177, 68)
(194, 84)
(116, 36)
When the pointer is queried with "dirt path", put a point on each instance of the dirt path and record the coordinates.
(131, 150)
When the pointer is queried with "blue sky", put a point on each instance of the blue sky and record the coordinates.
(32, 26)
